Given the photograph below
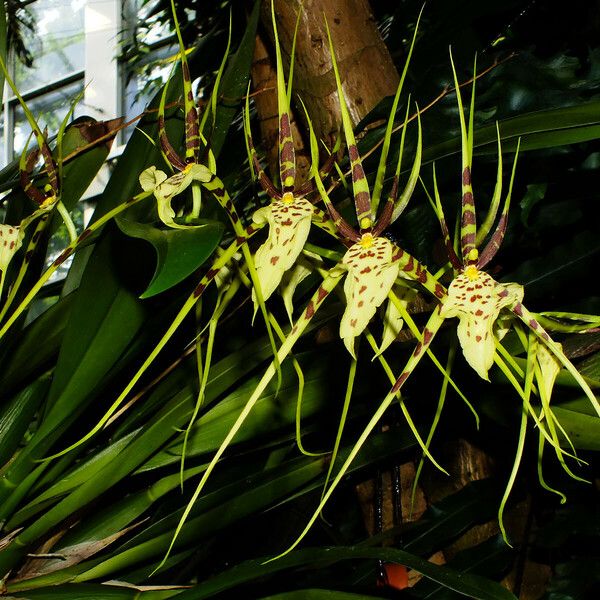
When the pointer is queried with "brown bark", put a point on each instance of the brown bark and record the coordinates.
(366, 68)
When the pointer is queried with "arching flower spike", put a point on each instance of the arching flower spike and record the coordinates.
(289, 213)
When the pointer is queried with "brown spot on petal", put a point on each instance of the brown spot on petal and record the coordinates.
(274, 260)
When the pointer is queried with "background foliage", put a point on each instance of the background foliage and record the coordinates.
(106, 511)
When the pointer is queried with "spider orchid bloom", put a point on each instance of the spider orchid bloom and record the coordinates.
(166, 188)
(373, 263)
(474, 297)
(289, 213)
(188, 168)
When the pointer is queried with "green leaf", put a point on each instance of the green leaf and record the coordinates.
(16, 416)
(581, 423)
(179, 252)
(565, 264)
(235, 83)
(471, 586)
(537, 130)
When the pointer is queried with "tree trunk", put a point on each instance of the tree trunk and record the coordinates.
(366, 68)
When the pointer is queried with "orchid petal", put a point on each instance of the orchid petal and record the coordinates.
(166, 188)
(11, 239)
(476, 299)
(289, 225)
(393, 321)
(292, 278)
(550, 367)
(373, 266)
(151, 178)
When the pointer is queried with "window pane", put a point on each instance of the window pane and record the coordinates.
(51, 108)
(58, 46)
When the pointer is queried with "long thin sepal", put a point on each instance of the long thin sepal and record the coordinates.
(433, 325)
(362, 196)
(338, 221)
(402, 201)
(452, 256)
(324, 290)
(287, 155)
(171, 156)
(378, 185)
(256, 168)
(490, 217)
(468, 228)
(495, 242)
(192, 134)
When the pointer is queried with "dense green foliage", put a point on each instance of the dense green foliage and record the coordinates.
(106, 511)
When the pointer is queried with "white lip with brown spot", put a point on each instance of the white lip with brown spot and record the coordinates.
(289, 222)
(475, 298)
(371, 273)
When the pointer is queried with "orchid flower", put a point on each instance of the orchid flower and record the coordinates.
(372, 262)
(478, 301)
(189, 171)
(45, 199)
(289, 213)
(474, 296)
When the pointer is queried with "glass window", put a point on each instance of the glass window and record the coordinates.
(49, 109)
(59, 44)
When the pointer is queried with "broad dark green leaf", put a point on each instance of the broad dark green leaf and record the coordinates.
(29, 356)
(580, 421)
(566, 264)
(537, 130)
(179, 252)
